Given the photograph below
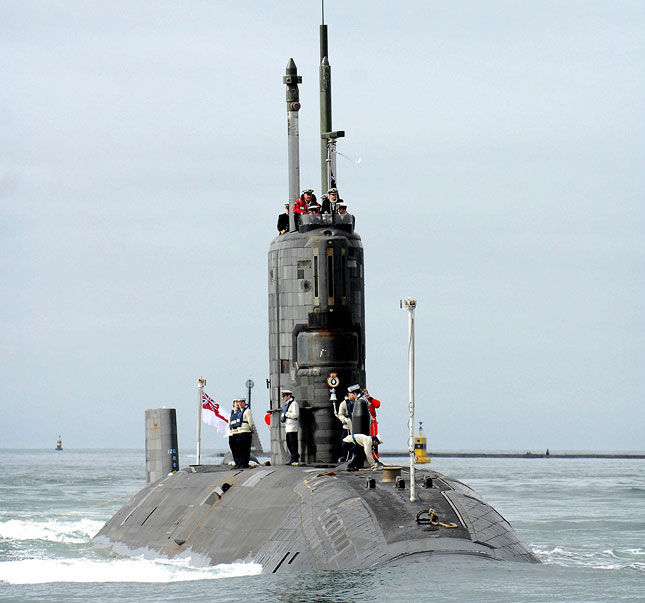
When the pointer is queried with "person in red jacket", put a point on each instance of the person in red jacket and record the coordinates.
(302, 203)
(373, 404)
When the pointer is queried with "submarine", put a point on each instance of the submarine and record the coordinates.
(316, 515)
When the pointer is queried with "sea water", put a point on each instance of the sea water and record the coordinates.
(584, 518)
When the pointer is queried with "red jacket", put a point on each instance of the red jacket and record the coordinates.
(373, 405)
(300, 206)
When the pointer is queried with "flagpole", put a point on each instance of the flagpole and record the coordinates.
(200, 393)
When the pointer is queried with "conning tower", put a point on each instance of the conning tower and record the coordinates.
(316, 326)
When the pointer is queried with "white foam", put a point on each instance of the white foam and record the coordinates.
(74, 531)
(607, 559)
(38, 571)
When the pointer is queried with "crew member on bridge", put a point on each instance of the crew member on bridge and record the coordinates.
(313, 208)
(302, 203)
(245, 433)
(342, 211)
(283, 220)
(329, 204)
(291, 418)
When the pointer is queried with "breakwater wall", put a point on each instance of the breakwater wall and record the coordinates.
(521, 455)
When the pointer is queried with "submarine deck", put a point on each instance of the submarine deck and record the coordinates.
(299, 518)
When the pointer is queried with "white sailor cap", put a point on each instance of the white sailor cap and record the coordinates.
(353, 388)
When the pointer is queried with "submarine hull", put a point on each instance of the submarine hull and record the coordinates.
(302, 518)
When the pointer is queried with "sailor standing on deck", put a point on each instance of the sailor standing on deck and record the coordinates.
(245, 432)
(344, 415)
(233, 431)
(373, 405)
(291, 418)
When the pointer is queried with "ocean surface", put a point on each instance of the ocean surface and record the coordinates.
(584, 518)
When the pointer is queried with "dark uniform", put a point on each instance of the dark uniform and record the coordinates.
(245, 434)
(234, 423)
(329, 203)
(283, 222)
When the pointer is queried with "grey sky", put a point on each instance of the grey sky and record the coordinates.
(143, 165)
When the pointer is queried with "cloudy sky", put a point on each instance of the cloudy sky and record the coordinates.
(143, 164)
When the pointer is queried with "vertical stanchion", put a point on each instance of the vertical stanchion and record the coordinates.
(249, 386)
(410, 305)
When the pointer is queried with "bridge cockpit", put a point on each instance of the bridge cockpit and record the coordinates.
(309, 222)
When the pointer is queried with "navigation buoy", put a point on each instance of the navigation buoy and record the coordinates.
(420, 447)
(59, 444)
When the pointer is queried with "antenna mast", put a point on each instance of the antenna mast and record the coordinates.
(327, 136)
(291, 80)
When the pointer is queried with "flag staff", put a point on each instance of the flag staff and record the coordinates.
(200, 394)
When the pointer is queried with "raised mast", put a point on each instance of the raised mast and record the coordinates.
(291, 80)
(327, 136)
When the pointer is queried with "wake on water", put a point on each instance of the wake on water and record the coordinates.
(609, 559)
(77, 562)
(79, 531)
(40, 571)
